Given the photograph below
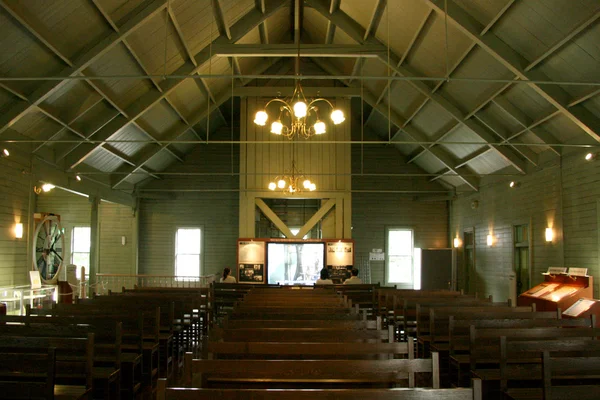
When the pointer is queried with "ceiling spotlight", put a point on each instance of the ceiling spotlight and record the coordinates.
(5, 153)
(78, 178)
(46, 187)
(514, 184)
(591, 156)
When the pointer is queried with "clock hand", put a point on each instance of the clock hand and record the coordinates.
(54, 251)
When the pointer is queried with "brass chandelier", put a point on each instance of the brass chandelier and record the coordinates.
(292, 182)
(297, 116)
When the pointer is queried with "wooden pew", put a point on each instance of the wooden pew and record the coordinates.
(294, 323)
(73, 360)
(27, 375)
(300, 335)
(484, 349)
(521, 372)
(321, 394)
(296, 374)
(139, 357)
(586, 369)
(106, 370)
(308, 351)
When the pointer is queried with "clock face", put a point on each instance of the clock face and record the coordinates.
(49, 245)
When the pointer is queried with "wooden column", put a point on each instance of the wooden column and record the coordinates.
(94, 242)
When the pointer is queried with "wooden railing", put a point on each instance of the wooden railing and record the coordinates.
(116, 282)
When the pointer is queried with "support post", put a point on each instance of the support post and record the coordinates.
(94, 242)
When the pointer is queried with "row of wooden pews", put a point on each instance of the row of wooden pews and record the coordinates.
(501, 345)
(297, 344)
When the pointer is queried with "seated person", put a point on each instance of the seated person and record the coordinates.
(324, 280)
(354, 279)
(227, 278)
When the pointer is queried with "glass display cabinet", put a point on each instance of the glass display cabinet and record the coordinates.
(17, 297)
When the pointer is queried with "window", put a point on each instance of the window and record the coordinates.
(400, 256)
(187, 253)
(80, 249)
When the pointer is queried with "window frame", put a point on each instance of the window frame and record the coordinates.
(386, 273)
(200, 255)
(72, 252)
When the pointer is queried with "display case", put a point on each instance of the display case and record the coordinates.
(17, 297)
(584, 308)
(560, 290)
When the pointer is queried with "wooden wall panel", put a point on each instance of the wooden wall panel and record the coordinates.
(14, 202)
(561, 196)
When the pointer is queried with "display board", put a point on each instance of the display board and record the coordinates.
(340, 253)
(251, 261)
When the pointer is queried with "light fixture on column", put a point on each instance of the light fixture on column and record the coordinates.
(456, 242)
(292, 182)
(46, 187)
(549, 234)
(490, 240)
(19, 230)
(5, 153)
(591, 156)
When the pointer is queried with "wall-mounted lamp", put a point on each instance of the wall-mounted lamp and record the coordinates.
(514, 184)
(46, 187)
(549, 234)
(78, 178)
(456, 242)
(591, 156)
(5, 153)
(490, 240)
(19, 230)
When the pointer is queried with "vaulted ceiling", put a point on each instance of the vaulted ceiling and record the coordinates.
(462, 88)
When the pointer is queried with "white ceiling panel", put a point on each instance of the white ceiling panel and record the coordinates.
(187, 97)
(491, 162)
(466, 141)
(131, 137)
(103, 161)
(432, 120)
(195, 17)
(36, 126)
(119, 9)
(160, 120)
(71, 100)
(429, 163)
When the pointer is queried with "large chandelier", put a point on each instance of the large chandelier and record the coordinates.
(292, 182)
(297, 116)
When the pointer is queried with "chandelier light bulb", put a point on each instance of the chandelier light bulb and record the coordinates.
(272, 186)
(306, 184)
(300, 109)
(291, 189)
(312, 187)
(276, 127)
(337, 116)
(281, 184)
(46, 187)
(320, 127)
(261, 118)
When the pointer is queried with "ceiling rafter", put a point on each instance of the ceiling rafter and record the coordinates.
(147, 101)
(110, 149)
(497, 17)
(356, 32)
(514, 62)
(201, 83)
(570, 36)
(223, 28)
(43, 37)
(148, 10)
(102, 92)
(140, 64)
(70, 122)
(389, 85)
(441, 154)
(330, 33)
(263, 29)
(148, 152)
(371, 30)
(13, 92)
(521, 118)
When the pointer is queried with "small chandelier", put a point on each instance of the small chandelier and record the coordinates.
(294, 116)
(292, 182)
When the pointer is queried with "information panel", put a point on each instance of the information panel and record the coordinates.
(340, 253)
(251, 273)
(251, 252)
